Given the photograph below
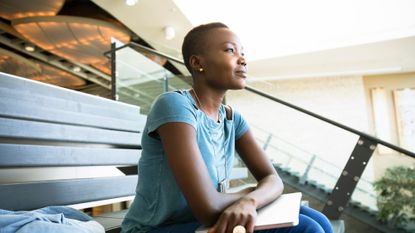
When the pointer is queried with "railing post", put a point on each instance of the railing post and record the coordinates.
(307, 170)
(166, 82)
(351, 174)
(267, 142)
(113, 72)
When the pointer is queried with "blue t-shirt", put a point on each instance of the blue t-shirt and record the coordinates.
(159, 200)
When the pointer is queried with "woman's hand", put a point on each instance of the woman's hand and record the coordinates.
(243, 212)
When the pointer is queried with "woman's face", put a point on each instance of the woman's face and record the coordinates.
(222, 60)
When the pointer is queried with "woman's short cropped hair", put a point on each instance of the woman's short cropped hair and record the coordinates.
(194, 39)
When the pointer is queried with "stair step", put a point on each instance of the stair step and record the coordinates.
(338, 226)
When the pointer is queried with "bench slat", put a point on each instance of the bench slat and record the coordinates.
(17, 155)
(15, 83)
(111, 225)
(39, 100)
(22, 129)
(28, 196)
(13, 108)
(111, 221)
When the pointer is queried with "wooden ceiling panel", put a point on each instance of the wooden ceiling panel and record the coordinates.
(15, 9)
(79, 39)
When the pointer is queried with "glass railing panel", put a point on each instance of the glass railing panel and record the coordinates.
(180, 81)
(313, 150)
(305, 146)
(139, 79)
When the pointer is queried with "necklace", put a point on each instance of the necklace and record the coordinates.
(222, 185)
(200, 104)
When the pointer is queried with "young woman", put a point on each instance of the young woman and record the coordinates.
(189, 144)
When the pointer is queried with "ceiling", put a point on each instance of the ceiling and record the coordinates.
(64, 40)
(300, 26)
(148, 18)
(70, 37)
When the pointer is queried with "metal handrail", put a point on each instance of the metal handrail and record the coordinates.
(268, 96)
(347, 128)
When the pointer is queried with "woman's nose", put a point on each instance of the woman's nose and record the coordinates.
(242, 61)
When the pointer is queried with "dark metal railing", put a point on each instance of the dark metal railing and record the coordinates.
(347, 128)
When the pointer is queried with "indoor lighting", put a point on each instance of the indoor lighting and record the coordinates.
(85, 39)
(169, 32)
(29, 47)
(76, 69)
(131, 2)
(11, 10)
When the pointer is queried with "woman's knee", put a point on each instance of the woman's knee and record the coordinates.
(317, 216)
(308, 225)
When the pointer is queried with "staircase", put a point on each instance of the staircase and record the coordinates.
(357, 218)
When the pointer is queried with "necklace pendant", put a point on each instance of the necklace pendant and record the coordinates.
(223, 186)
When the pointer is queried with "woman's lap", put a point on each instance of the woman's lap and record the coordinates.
(310, 221)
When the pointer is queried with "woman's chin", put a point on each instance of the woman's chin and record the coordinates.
(240, 86)
(243, 83)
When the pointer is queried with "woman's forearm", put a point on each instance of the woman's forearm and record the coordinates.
(267, 190)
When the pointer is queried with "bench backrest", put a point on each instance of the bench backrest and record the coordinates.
(63, 147)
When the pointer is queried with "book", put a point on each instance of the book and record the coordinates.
(283, 212)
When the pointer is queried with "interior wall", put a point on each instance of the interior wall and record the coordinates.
(389, 82)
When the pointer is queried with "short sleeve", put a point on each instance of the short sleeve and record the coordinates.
(241, 126)
(170, 107)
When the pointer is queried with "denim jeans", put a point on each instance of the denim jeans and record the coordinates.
(310, 221)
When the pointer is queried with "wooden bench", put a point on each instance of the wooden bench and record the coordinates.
(63, 147)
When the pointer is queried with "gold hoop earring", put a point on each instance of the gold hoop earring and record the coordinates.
(200, 69)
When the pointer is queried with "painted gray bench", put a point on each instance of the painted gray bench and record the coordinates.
(63, 147)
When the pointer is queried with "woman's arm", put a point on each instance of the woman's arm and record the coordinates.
(269, 187)
(189, 169)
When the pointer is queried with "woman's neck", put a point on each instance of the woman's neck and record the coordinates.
(208, 101)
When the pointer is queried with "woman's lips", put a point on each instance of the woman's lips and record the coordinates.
(241, 73)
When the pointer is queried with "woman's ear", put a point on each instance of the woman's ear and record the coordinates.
(195, 63)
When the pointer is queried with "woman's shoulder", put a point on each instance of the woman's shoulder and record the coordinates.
(172, 97)
(172, 102)
(171, 107)
(172, 94)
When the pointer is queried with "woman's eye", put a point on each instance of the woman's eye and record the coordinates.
(230, 50)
